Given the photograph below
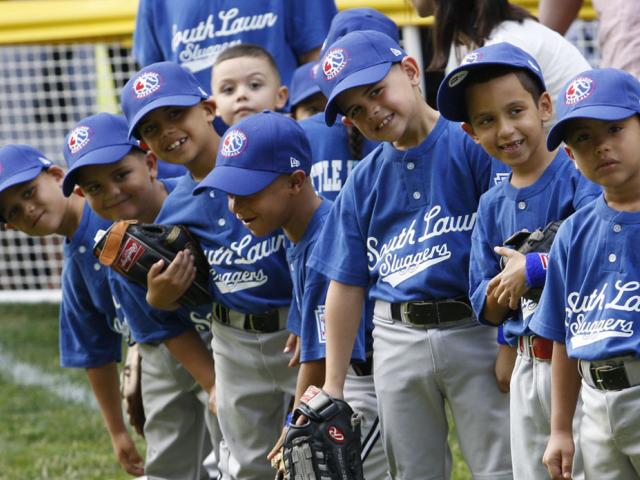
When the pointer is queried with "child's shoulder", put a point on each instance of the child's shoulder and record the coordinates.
(84, 236)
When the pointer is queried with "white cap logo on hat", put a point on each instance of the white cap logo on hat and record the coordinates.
(146, 84)
(78, 138)
(457, 78)
(45, 161)
(334, 62)
(234, 143)
(472, 57)
(396, 52)
(578, 90)
(295, 163)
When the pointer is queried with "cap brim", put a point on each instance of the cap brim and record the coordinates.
(22, 177)
(237, 181)
(101, 156)
(366, 76)
(169, 101)
(597, 112)
(306, 93)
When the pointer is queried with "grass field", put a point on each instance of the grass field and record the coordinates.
(50, 427)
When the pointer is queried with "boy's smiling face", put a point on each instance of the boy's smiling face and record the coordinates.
(179, 135)
(122, 190)
(244, 86)
(270, 208)
(506, 121)
(607, 152)
(36, 207)
(384, 111)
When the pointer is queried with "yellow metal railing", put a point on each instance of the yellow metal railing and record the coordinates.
(51, 21)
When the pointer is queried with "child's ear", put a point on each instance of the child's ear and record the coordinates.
(282, 96)
(297, 180)
(210, 108)
(468, 129)
(56, 172)
(545, 106)
(78, 191)
(347, 121)
(410, 67)
(151, 159)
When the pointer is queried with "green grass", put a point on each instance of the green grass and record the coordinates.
(45, 438)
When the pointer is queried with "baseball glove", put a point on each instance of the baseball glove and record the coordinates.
(131, 249)
(327, 445)
(131, 389)
(540, 241)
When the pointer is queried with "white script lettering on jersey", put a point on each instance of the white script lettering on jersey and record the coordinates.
(120, 325)
(396, 268)
(194, 56)
(202, 324)
(622, 297)
(246, 251)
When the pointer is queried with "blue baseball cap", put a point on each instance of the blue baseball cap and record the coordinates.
(605, 94)
(452, 102)
(20, 164)
(359, 58)
(303, 83)
(354, 19)
(256, 151)
(158, 85)
(100, 139)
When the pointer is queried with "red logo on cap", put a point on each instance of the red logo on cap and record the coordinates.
(146, 84)
(234, 143)
(334, 62)
(578, 90)
(78, 138)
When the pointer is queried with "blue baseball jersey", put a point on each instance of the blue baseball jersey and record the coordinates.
(193, 33)
(147, 324)
(90, 330)
(402, 224)
(330, 155)
(592, 295)
(309, 295)
(247, 273)
(504, 210)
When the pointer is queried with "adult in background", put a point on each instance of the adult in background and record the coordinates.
(193, 32)
(618, 31)
(461, 26)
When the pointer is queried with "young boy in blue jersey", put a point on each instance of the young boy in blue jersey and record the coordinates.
(31, 201)
(500, 95)
(246, 81)
(589, 306)
(120, 182)
(336, 149)
(249, 278)
(305, 97)
(268, 185)
(401, 228)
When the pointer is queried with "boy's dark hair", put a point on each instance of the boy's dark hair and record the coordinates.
(247, 50)
(527, 79)
(470, 19)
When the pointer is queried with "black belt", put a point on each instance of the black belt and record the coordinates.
(432, 313)
(266, 322)
(611, 375)
(363, 369)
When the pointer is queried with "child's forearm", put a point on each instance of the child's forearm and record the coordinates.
(106, 388)
(190, 350)
(343, 316)
(310, 373)
(565, 388)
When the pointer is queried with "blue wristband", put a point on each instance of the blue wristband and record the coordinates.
(288, 420)
(536, 269)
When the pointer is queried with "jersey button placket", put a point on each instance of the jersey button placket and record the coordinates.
(613, 248)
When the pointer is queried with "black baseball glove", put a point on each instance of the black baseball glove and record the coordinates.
(540, 240)
(131, 249)
(327, 446)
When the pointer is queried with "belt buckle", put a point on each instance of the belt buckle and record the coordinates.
(405, 314)
(611, 383)
(250, 323)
